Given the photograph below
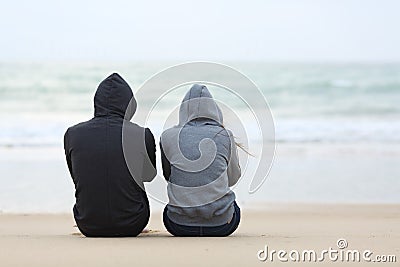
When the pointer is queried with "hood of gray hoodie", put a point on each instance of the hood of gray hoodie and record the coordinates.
(198, 104)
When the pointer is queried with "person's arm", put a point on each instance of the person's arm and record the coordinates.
(234, 172)
(68, 155)
(149, 163)
(166, 165)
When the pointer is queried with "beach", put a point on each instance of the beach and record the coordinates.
(308, 91)
(52, 240)
(334, 176)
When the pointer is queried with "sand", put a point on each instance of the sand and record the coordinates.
(52, 240)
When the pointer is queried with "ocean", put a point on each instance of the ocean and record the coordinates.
(337, 130)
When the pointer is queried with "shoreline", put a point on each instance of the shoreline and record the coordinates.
(301, 173)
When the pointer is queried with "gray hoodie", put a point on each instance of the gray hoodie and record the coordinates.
(200, 162)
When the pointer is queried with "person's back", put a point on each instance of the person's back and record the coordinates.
(108, 200)
(200, 162)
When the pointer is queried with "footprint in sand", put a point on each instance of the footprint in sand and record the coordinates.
(77, 234)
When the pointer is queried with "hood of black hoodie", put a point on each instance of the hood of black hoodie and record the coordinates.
(112, 98)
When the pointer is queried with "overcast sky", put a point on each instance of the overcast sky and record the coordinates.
(281, 30)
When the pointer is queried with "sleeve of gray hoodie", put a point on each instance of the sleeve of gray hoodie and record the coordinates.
(234, 172)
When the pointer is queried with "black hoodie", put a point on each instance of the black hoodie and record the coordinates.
(108, 200)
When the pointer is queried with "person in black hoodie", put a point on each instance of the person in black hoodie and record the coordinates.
(110, 200)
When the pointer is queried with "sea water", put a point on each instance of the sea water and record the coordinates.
(337, 130)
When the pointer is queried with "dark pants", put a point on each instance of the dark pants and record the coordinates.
(184, 230)
(134, 229)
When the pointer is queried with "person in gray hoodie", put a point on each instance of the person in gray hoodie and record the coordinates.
(200, 162)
